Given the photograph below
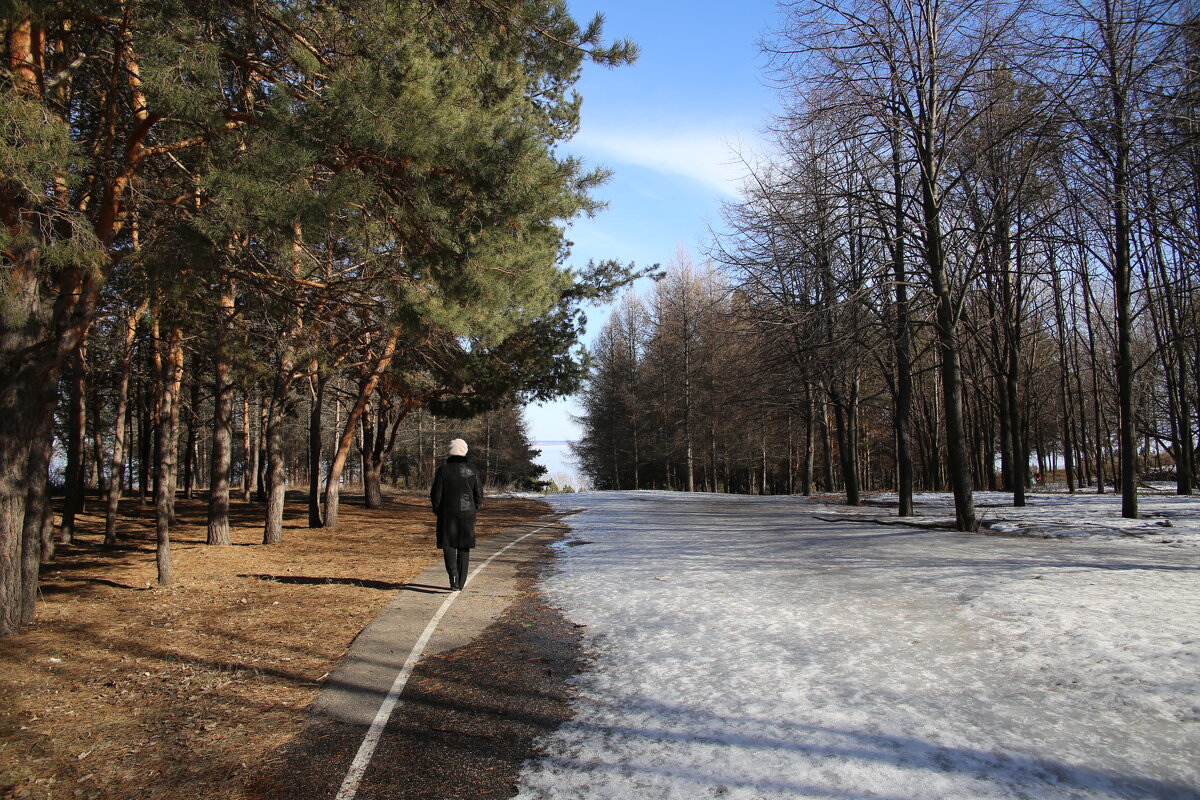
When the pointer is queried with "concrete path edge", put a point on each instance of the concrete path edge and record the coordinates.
(355, 689)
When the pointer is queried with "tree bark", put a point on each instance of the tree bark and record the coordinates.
(826, 447)
(333, 479)
(373, 434)
(1122, 279)
(260, 451)
(685, 288)
(249, 456)
(806, 476)
(222, 449)
(1174, 364)
(95, 475)
(146, 425)
(189, 448)
(276, 473)
(166, 455)
(957, 463)
(387, 429)
(1010, 292)
(119, 445)
(35, 547)
(903, 347)
(76, 422)
(1064, 388)
(845, 412)
(317, 381)
(19, 378)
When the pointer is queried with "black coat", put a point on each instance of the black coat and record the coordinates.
(456, 495)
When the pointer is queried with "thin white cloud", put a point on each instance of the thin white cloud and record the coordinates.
(711, 159)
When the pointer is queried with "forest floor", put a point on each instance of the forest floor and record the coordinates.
(125, 689)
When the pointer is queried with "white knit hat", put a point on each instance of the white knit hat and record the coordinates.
(458, 447)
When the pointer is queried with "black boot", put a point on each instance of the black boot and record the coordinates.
(451, 559)
(464, 561)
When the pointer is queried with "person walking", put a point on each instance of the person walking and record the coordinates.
(457, 493)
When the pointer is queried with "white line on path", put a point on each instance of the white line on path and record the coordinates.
(371, 740)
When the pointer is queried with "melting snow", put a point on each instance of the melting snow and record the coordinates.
(764, 647)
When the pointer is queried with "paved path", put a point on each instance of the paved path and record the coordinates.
(380, 728)
(425, 619)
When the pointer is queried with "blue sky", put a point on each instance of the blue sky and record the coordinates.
(670, 127)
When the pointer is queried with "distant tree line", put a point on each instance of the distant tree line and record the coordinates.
(973, 257)
(251, 242)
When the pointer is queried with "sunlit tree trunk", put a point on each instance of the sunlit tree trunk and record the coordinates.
(333, 479)
(222, 447)
(276, 472)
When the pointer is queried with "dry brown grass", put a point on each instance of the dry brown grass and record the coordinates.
(123, 689)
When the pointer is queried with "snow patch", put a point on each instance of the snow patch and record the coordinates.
(748, 647)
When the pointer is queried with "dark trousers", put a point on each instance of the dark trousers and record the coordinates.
(458, 559)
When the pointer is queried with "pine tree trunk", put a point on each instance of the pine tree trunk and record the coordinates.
(276, 472)
(76, 422)
(332, 481)
(222, 450)
(249, 456)
(276, 478)
(16, 383)
(95, 463)
(129, 477)
(166, 456)
(373, 434)
(14, 465)
(373, 483)
(146, 426)
(317, 386)
(37, 547)
(39, 331)
(260, 452)
(189, 448)
(119, 435)
(47, 548)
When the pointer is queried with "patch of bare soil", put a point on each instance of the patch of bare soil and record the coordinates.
(124, 689)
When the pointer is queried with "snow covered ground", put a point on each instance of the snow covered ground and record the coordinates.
(1163, 516)
(763, 647)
